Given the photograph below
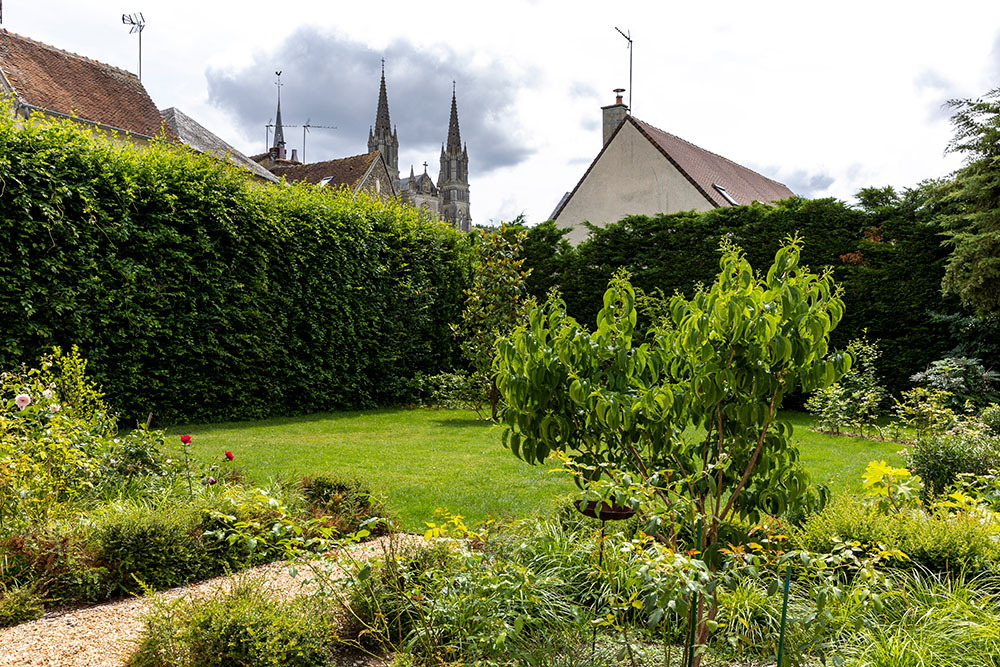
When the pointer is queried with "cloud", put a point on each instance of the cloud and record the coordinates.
(940, 89)
(806, 184)
(330, 80)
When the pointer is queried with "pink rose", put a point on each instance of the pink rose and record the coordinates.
(22, 401)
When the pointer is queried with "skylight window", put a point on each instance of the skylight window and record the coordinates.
(326, 180)
(725, 195)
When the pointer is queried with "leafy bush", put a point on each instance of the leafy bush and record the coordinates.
(855, 401)
(990, 418)
(924, 410)
(345, 502)
(935, 539)
(170, 271)
(151, 552)
(246, 626)
(450, 390)
(964, 379)
(938, 458)
(19, 605)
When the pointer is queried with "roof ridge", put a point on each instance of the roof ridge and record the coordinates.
(705, 150)
(68, 53)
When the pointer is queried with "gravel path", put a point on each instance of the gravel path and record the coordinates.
(105, 635)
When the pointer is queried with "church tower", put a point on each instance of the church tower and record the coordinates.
(453, 179)
(383, 139)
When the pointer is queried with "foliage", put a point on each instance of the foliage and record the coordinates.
(924, 410)
(244, 626)
(939, 458)
(973, 230)
(855, 401)
(990, 418)
(19, 605)
(885, 253)
(197, 295)
(494, 305)
(346, 501)
(927, 619)
(937, 540)
(449, 390)
(894, 488)
(733, 352)
(964, 379)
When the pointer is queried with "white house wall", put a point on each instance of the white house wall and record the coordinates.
(631, 177)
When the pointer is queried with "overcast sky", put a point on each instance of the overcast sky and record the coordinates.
(825, 97)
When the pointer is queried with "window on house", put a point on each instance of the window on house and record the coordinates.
(725, 195)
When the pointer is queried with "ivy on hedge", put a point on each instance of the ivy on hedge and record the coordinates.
(200, 296)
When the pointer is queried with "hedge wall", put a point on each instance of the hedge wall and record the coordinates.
(199, 296)
(888, 259)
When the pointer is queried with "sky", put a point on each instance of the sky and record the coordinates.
(827, 98)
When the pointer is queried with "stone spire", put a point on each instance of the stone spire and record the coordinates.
(454, 136)
(383, 138)
(453, 179)
(382, 122)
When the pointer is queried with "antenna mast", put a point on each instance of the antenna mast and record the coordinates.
(628, 37)
(305, 128)
(138, 23)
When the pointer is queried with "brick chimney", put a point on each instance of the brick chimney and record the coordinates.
(614, 114)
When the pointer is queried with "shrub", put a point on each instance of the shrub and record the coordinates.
(151, 552)
(855, 401)
(19, 605)
(924, 410)
(246, 626)
(936, 540)
(938, 458)
(965, 379)
(344, 503)
(990, 418)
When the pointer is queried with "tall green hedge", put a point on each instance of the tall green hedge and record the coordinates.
(200, 296)
(887, 256)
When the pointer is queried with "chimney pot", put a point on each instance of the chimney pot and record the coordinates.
(295, 155)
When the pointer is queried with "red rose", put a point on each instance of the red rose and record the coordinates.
(186, 439)
(229, 455)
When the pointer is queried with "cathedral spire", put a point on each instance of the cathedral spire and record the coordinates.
(383, 138)
(382, 123)
(454, 137)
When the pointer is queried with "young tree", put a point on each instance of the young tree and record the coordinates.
(494, 305)
(973, 270)
(725, 362)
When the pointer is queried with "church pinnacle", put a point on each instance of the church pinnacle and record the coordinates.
(383, 138)
(454, 136)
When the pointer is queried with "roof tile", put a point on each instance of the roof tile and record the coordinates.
(58, 81)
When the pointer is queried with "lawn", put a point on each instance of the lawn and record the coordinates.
(424, 459)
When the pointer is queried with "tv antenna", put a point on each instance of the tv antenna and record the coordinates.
(137, 23)
(306, 128)
(628, 37)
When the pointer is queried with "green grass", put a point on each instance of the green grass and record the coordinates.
(419, 459)
(424, 459)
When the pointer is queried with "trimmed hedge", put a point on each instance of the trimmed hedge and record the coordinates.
(887, 256)
(199, 296)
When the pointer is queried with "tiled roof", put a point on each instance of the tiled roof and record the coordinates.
(346, 171)
(196, 136)
(705, 170)
(65, 83)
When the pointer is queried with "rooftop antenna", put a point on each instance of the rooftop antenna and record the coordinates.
(306, 128)
(267, 133)
(628, 36)
(138, 22)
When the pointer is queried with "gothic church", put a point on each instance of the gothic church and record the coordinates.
(448, 199)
